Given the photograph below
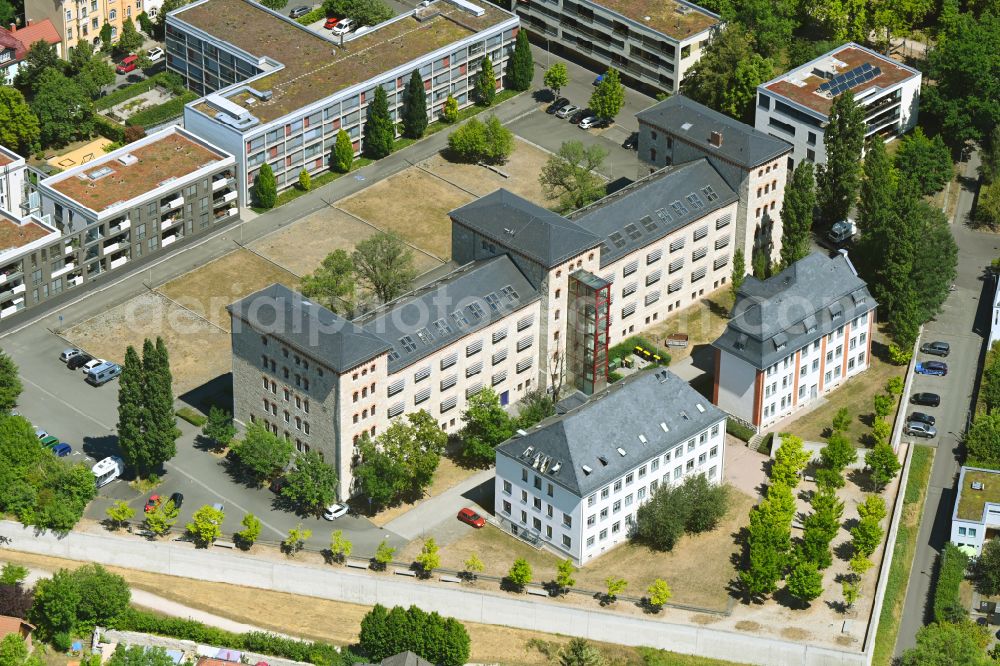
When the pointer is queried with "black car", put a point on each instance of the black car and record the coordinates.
(299, 11)
(177, 499)
(79, 361)
(936, 348)
(580, 115)
(920, 417)
(632, 142)
(556, 105)
(926, 399)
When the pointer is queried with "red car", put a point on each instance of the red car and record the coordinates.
(331, 21)
(470, 517)
(152, 503)
(128, 64)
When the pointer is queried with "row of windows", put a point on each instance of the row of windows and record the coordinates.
(272, 408)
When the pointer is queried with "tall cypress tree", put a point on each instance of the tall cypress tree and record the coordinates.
(132, 413)
(797, 214)
(521, 66)
(486, 83)
(379, 132)
(162, 432)
(414, 107)
(877, 212)
(898, 267)
(844, 140)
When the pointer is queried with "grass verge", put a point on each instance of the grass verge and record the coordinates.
(192, 416)
(319, 180)
(902, 556)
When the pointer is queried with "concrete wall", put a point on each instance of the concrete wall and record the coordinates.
(466, 605)
(736, 386)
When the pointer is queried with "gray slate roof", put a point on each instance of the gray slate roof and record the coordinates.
(589, 434)
(649, 209)
(802, 303)
(538, 234)
(741, 143)
(403, 659)
(435, 316)
(310, 327)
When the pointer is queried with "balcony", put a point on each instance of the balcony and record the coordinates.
(11, 289)
(74, 280)
(172, 203)
(65, 269)
(169, 222)
(167, 240)
(10, 308)
(120, 225)
(120, 260)
(219, 183)
(10, 273)
(223, 213)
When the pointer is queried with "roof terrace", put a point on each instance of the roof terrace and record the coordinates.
(678, 20)
(314, 66)
(133, 170)
(850, 67)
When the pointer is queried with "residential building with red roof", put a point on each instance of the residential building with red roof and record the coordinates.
(15, 42)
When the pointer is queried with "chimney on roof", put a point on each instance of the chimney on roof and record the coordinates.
(716, 139)
(13, 27)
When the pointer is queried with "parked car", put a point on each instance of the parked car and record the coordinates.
(936, 348)
(49, 441)
(151, 504)
(299, 11)
(470, 517)
(103, 374)
(598, 79)
(79, 361)
(588, 122)
(556, 105)
(343, 27)
(580, 115)
(919, 429)
(920, 417)
(40, 434)
(926, 399)
(331, 22)
(632, 142)
(91, 364)
(566, 111)
(335, 511)
(128, 64)
(219, 507)
(937, 368)
(177, 499)
(69, 353)
(154, 54)
(62, 450)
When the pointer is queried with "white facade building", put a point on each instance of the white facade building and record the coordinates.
(976, 517)
(796, 105)
(575, 481)
(792, 338)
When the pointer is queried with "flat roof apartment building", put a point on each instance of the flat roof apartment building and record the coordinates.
(792, 338)
(976, 516)
(126, 206)
(653, 43)
(754, 165)
(796, 105)
(576, 480)
(277, 92)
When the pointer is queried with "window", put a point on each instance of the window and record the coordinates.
(506, 487)
(617, 506)
(591, 520)
(506, 507)
(567, 520)
(961, 531)
(590, 541)
(592, 500)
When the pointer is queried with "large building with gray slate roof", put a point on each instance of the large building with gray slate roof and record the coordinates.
(792, 338)
(755, 165)
(575, 481)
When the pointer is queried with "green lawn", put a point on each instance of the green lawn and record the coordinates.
(902, 556)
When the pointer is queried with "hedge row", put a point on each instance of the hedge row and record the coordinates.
(162, 113)
(321, 654)
(739, 431)
(952, 564)
(109, 129)
(312, 17)
(628, 346)
(169, 80)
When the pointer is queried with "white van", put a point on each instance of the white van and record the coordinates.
(103, 373)
(107, 470)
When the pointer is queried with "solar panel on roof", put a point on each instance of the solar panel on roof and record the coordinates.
(617, 239)
(648, 223)
(633, 231)
(854, 77)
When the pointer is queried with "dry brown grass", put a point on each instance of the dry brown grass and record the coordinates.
(856, 395)
(207, 290)
(697, 570)
(198, 350)
(413, 204)
(522, 169)
(338, 622)
(703, 322)
(448, 475)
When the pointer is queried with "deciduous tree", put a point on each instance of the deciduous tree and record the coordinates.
(219, 427)
(726, 76)
(486, 426)
(161, 518)
(449, 110)
(305, 180)
(10, 383)
(132, 418)
(129, 41)
(62, 107)
(262, 453)
(429, 558)
(13, 650)
(384, 264)
(519, 573)
(296, 540)
(13, 574)
(362, 12)
(473, 566)
(478, 141)
(379, 133)
(838, 180)
(789, 461)
(797, 215)
(41, 56)
(556, 78)
(414, 107)
(19, 128)
(486, 83)
(883, 464)
(947, 643)
(333, 284)
(805, 582)
(608, 96)
(340, 547)
(578, 652)
(161, 428)
(119, 514)
(659, 593)
(768, 23)
(564, 575)
(250, 532)
(570, 176)
(926, 161)
(15, 600)
(206, 525)
(312, 484)
(982, 442)
(383, 555)
(521, 66)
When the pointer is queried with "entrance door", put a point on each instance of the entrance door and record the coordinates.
(504, 398)
(814, 392)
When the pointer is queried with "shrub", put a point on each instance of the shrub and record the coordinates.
(478, 141)
(739, 431)
(449, 112)
(519, 574)
(951, 566)
(693, 506)
(109, 129)
(192, 416)
(156, 115)
(899, 355)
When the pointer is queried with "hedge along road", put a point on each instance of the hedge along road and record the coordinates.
(464, 604)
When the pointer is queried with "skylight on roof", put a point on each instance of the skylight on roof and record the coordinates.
(477, 310)
(621, 451)
(695, 201)
(686, 126)
(409, 346)
(663, 427)
(642, 438)
(664, 215)
(442, 327)
(460, 319)
(425, 336)
(494, 301)
(509, 293)
(709, 193)
(648, 223)
(633, 231)
(618, 240)
(679, 208)
(701, 407)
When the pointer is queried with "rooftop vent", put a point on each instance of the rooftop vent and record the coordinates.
(701, 407)
(663, 426)
(684, 415)
(686, 126)
(528, 451)
(587, 469)
(97, 174)
(555, 468)
(522, 433)
(128, 159)
(604, 461)
(977, 485)
(642, 438)
(621, 451)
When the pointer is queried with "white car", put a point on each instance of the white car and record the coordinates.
(344, 27)
(335, 511)
(90, 365)
(69, 353)
(154, 54)
(588, 122)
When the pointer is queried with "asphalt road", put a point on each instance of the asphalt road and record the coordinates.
(964, 322)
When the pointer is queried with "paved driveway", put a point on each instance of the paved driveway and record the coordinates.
(436, 517)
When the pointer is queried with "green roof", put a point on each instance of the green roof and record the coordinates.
(971, 502)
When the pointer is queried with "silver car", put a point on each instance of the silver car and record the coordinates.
(567, 111)
(918, 429)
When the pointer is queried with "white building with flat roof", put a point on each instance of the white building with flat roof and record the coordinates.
(976, 517)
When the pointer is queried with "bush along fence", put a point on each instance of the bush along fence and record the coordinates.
(951, 566)
(640, 347)
(547, 588)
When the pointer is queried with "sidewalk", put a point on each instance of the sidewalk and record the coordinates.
(431, 513)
